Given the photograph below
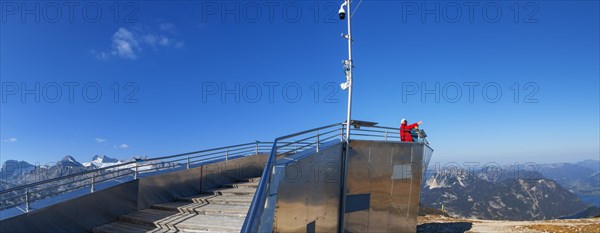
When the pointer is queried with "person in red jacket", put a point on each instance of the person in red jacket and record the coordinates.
(405, 130)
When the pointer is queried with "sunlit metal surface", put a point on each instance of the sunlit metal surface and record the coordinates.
(390, 174)
(308, 194)
(46, 192)
(385, 179)
(164, 188)
(261, 212)
(83, 213)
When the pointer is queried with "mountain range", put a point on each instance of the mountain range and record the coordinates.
(15, 173)
(531, 192)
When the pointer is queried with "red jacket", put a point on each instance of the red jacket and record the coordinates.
(405, 132)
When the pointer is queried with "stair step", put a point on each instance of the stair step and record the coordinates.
(227, 199)
(250, 180)
(145, 217)
(183, 221)
(204, 208)
(241, 185)
(235, 191)
(117, 227)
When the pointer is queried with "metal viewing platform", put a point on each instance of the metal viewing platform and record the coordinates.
(305, 181)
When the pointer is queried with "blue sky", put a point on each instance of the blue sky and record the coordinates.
(161, 57)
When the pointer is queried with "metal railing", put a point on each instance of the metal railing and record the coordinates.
(308, 140)
(387, 133)
(119, 173)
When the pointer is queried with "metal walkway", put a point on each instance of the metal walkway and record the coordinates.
(221, 210)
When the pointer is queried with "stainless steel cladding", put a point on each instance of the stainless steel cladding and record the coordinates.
(383, 185)
(308, 195)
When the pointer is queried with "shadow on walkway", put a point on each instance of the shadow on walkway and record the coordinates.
(444, 227)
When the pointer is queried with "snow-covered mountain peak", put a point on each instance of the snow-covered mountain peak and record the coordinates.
(104, 159)
(100, 161)
(68, 161)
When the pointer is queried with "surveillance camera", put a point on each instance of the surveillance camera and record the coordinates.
(342, 13)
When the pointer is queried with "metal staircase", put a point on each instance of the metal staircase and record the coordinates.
(220, 210)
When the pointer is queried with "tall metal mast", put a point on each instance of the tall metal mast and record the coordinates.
(348, 64)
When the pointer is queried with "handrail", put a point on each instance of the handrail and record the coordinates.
(306, 131)
(253, 217)
(258, 199)
(115, 166)
(27, 193)
(260, 196)
(202, 151)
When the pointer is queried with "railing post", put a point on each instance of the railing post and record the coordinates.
(226, 154)
(342, 133)
(386, 134)
(256, 147)
(27, 201)
(188, 162)
(135, 174)
(317, 141)
(92, 189)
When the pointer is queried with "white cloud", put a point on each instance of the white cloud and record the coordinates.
(123, 146)
(125, 44)
(100, 140)
(129, 43)
(10, 140)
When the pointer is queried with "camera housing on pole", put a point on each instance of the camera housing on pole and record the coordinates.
(342, 12)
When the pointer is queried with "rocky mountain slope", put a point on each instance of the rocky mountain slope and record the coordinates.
(16, 173)
(485, 195)
(440, 223)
